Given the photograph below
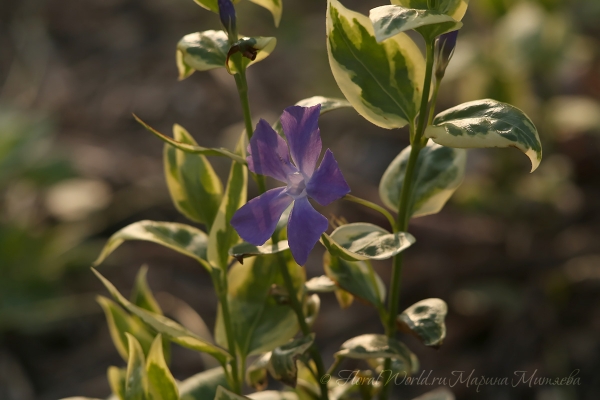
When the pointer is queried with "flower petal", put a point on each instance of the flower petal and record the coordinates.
(327, 183)
(268, 153)
(255, 222)
(304, 229)
(300, 125)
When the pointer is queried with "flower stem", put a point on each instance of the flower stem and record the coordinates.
(403, 207)
(372, 206)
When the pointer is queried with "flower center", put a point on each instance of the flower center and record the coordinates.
(296, 186)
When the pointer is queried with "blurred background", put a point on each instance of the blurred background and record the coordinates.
(515, 255)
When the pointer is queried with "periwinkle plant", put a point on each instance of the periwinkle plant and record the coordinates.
(266, 306)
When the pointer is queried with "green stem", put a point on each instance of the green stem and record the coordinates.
(220, 281)
(297, 307)
(372, 206)
(403, 207)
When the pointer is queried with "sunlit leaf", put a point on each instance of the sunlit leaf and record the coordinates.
(487, 123)
(327, 104)
(165, 326)
(454, 8)
(245, 249)
(282, 364)
(116, 380)
(382, 81)
(320, 284)
(273, 395)
(311, 308)
(425, 320)
(274, 6)
(439, 172)
(388, 21)
(362, 241)
(195, 188)
(182, 238)
(161, 384)
(374, 346)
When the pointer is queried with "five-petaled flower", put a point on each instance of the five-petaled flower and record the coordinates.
(268, 154)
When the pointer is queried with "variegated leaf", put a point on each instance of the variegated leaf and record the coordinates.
(161, 384)
(282, 364)
(202, 385)
(274, 6)
(327, 104)
(116, 380)
(439, 172)
(454, 8)
(382, 81)
(136, 380)
(195, 188)
(487, 123)
(388, 21)
(425, 320)
(245, 249)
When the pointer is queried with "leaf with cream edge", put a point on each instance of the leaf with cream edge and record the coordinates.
(195, 188)
(136, 380)
(282, 364)
(274, 6)
(375, 346)
(211, 5)
(165, 326)
(389, 21)
(245, 249)
(182, 238)
(141, 295)
(273, 395)
(487, 123)
(439, 172)
(362, 241)
(161, 384)
(203, 51)
(256, 373)
(454, 8)
(203, 385)
(327, 104)
(261, 323)
(116, 380)
(382, 81)
(222, 235)
(425, 320)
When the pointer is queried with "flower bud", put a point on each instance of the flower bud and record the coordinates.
(445, 46)
(228, 19)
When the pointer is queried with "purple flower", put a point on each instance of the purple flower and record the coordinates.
(445, 46)
(268, 154)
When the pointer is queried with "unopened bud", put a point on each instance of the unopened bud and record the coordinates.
(445, 46)
(227, 15)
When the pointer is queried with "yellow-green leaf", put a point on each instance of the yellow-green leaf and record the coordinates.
(274, 6)
(116, 380)
(382, 81)
(195, 188)
(161, 384)
(167, 327)
(454, 8)
(141, 294)
(136, 381)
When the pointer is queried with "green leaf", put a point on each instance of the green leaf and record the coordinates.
(222, 235)
(211, 5)
(195, 188)
(454, 8)
(141, 294)
(487, 123)
(259, 322)
(382, 81)
(320, 284)
(256, 374)
(362, 241)
(388, 21)
(273, 395)
(202, 386)
(203, 51)
(356, 278)
(282, 364)
(161, 384)
(120, 323)
(437, 394)
(136, 380)
(274, 6)
(224, 394)
(116, 380)
(327, 104)
(425, 320)
(374, 346)
(439, 172)
(245, 249)
(165, 326)
(182, 238)
(188, 148)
